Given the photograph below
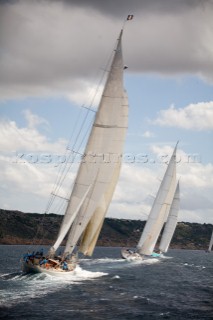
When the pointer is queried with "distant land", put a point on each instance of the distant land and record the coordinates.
(17, 228)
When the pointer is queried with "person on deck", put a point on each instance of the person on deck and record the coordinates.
(43, 262)
(65, 266)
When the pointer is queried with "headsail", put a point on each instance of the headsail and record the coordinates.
(102, 159)
(159, 209)
(94, 226)
(66, 227)
(171, 222)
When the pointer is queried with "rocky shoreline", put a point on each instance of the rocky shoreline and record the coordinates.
(19, 228)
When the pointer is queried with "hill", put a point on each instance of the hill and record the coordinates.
(32, 228)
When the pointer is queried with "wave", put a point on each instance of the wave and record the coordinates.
(100, 261)
(165, 257)
(193, 265)
(21, 287)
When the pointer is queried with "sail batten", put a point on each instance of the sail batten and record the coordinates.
(108, 126)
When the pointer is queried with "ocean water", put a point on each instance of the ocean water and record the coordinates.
(176, 286)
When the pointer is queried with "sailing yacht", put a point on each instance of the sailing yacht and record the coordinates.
(157, 216)
(210, 243)
(95, 181)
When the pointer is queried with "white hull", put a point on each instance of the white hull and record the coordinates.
(31, 268)
(130, 255)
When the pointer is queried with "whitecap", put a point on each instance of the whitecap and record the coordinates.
(99, 261)
(30, 286)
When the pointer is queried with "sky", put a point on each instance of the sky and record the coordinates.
(52, 57)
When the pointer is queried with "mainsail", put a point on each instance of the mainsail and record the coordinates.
(159, 209)
(171, 222)
(211, 243)
(99, 171)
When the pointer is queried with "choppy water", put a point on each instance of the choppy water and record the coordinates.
(178, 286)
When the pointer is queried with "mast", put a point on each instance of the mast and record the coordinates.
(159, 209)
(102, 158)
(171, 222)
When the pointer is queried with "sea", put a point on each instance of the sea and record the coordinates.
(178, 285)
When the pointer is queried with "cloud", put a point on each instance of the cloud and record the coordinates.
(148, 134)
(123, 6)
(87, 93)
(49, 53)
(26, 186)
(30, 164)
(59, 44)
(14, 138)
(193, 117)
(34, 120)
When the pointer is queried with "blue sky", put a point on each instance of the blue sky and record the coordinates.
(51, 67)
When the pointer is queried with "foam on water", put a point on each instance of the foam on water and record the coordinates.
(165, 257)
(80, 274)
(103, 260)
(146, 261)
(193, 265)
(28, 286)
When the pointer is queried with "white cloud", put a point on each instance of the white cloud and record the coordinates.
(34, 120)
(193, 117)
(86, 94)
(148, 134)
(29, 165)
(27, 186)
(14, 138)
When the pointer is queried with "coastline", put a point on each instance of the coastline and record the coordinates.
(19, 228)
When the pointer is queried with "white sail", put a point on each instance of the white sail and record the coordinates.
(66, 228)
(211, 243)
(94, 226)
(158, 213)
(106, 139)
(102, 154)
(171, 222)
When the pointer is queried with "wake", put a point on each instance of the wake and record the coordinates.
(21, 287)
